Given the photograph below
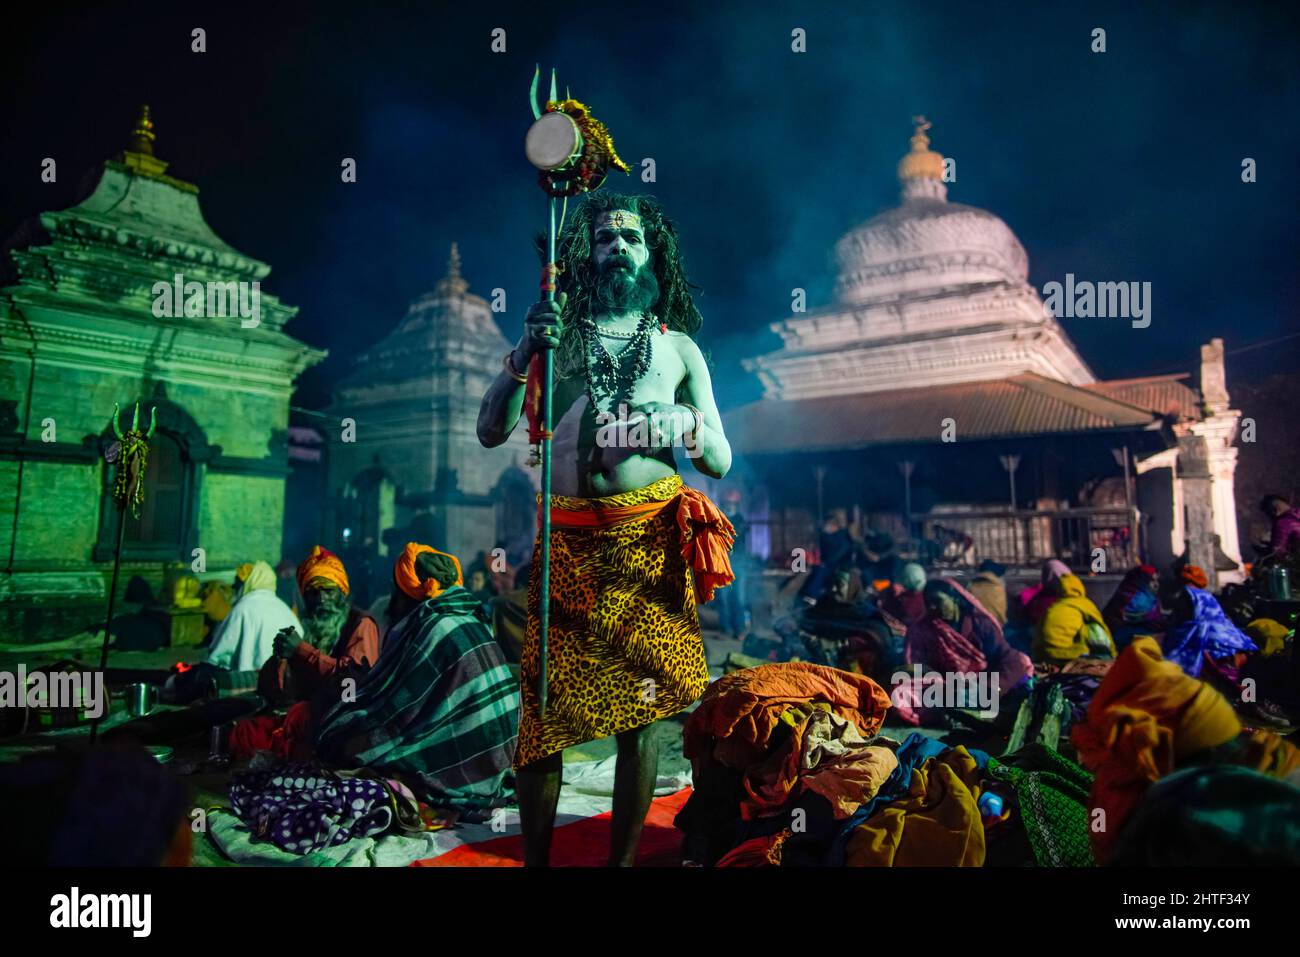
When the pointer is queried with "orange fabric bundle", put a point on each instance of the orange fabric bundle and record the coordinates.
(409, 581)
(1195, 576)
(322, 563)
(1146, 715)
(827, 755)
(740, 711)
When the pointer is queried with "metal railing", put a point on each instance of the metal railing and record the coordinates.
(1104, 540)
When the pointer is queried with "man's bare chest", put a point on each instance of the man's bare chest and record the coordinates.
(660, 382)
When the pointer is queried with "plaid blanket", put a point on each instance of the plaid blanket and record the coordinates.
(440, 708)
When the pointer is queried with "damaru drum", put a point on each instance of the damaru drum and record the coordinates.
(554, 142)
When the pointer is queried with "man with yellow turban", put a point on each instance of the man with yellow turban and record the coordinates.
(334, 633)
(245, 639)
(440, 708)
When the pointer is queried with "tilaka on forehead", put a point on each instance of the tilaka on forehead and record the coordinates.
(621, 218)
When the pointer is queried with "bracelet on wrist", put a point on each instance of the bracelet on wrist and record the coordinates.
(699, 419)
(508, 363)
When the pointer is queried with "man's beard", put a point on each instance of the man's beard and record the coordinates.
(322, 629)
(621, 291)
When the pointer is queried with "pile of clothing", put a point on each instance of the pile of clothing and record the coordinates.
(790, 770)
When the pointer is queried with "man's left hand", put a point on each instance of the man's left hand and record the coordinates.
(286, 643)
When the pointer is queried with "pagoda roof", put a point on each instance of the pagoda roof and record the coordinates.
(1026, 405)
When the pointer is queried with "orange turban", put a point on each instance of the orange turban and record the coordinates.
(408, 579)
(1195, 576)
(322, 563)
(1145, 717)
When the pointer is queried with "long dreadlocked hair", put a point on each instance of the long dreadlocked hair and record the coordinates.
(675, 308)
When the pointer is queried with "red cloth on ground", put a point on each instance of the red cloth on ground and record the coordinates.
(583, 843)
(287, 738)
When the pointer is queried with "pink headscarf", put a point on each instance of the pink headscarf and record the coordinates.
(938, 645)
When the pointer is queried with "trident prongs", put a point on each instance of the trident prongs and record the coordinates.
(532, 92)
(135, 419)
(153, 422)
(117, 429)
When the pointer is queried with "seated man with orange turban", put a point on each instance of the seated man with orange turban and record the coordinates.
(334, 633)
(440, 708)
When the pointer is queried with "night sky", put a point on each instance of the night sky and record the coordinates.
(1117, 166)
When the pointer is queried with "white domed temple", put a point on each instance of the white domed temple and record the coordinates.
(940, 396)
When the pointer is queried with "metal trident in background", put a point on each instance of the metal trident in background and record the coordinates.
(132, 459)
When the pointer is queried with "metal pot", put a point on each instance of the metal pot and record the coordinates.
(140, 699)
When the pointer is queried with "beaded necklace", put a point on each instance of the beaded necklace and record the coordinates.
(609, 375)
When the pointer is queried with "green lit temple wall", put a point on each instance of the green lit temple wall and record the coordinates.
(78, 333)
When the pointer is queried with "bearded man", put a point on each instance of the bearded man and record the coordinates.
(633, 550)
(335, 634)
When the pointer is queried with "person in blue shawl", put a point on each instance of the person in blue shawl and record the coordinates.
(1134, 609)
(1201, 628)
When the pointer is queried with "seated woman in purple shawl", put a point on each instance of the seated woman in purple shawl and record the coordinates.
(1134, 609)
(1202, 633)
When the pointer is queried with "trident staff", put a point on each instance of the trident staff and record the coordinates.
(574, 153)
(131, 455)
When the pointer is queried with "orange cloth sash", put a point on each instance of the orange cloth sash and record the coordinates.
(707, 535)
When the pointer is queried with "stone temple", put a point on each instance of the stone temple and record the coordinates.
(411, 467)
(939, 395)
(79, 333)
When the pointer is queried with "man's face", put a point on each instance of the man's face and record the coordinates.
(619, 245)
(621, 256)
(1277, 507)
(322, 599)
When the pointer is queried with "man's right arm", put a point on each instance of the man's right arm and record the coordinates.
(504, 400)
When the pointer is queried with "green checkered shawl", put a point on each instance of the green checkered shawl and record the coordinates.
(440, 708)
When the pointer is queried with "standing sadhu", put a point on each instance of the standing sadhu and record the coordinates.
(633, 550)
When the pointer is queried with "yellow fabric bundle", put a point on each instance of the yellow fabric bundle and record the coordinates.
(936, 824)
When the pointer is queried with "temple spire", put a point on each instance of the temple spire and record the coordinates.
(138, 154)
(920, 171)
(142, 136)
(452, 284)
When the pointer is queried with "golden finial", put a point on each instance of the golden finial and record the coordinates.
(142, 136)
(922, 162)
(452, 283)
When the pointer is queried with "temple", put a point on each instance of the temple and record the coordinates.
(413, 465)
(940, 395)
(80, 332)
